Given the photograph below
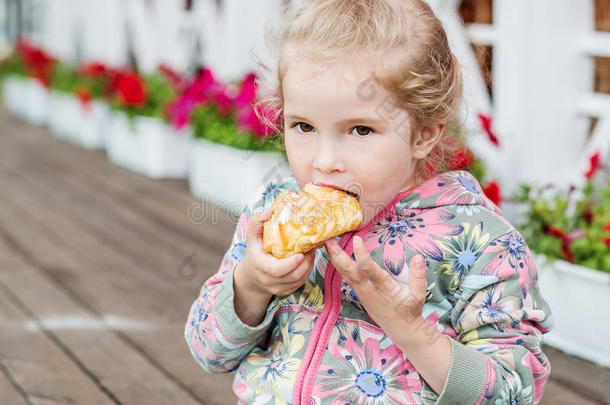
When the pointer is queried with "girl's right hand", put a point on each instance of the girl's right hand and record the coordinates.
(263, 273)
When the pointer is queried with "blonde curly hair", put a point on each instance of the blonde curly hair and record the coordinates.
(416, 65)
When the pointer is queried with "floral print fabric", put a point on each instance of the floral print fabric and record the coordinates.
(482, 292)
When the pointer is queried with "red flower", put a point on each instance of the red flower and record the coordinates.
(589, 214)
(94, 69)
(607, 227)
(493, 192)
(607, 241)
(431, 170)
(565, 242)
(485, 121)
(37, 62)
(594, 163)
(462, 159)
(131, 89)
(84, 96)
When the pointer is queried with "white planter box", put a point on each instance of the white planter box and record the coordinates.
(147, 146)
(64, 115)
(229, 176)
(94, 125)
(26, 98)
(71, 120)
(37, 96)
(14, 95)
(579, 298)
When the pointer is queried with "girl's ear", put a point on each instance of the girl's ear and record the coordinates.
(426, 138)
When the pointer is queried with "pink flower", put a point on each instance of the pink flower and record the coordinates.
(510, 256)
(247, 92)
(413, 228)
(456, 187)
(179, 111)
(201, 88)
(223, 100)
(363, 373)
(247, 120)
(199, 91)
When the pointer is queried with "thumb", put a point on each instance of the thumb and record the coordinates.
(417, 276)
(255, 225)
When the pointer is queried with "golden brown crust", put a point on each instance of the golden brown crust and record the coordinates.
(303, 221)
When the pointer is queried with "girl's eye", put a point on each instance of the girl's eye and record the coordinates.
(303, 127)
(362, 130)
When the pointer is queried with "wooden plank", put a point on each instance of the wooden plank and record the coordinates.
(107, 285)
(10, 393)
(166, 200)
(80, 260)
(123, 296)
(120, 226)
(583, 377)
(106, 282)
(119, 368)
(557, 394)
(100, 276)
(36, 365)
(120, 235)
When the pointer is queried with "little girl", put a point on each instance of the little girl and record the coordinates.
(434, 298)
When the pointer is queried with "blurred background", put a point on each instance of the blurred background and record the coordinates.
(130, 139)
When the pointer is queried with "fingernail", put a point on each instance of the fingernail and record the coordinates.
(419, 260)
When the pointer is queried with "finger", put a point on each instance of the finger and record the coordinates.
(278, 268)
(417, 276)
(342, 262)
(255, 224)
(295, 279)
(365, 264)
(303, 271)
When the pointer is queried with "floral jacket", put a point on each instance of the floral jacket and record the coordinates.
(318, 345)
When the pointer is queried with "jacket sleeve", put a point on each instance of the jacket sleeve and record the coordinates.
(216, 336)
(499, 317)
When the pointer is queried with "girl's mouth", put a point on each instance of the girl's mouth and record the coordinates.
(350, 193)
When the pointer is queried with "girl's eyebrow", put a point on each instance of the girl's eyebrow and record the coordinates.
(355, 120)
(295, 117)
(358, 120)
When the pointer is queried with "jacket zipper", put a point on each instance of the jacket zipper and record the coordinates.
(305, 379)
(321, 331)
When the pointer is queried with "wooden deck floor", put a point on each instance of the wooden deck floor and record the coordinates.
(98, 268)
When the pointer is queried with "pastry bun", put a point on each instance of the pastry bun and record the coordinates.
(303, 221)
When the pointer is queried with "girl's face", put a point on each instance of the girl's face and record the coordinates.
(343, 130)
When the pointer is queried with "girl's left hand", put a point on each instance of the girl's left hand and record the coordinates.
(388, 301)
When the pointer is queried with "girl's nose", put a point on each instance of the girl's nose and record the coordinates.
(328, 157)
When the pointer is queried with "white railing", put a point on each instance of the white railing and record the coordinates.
(542, 65)
(543, 89)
